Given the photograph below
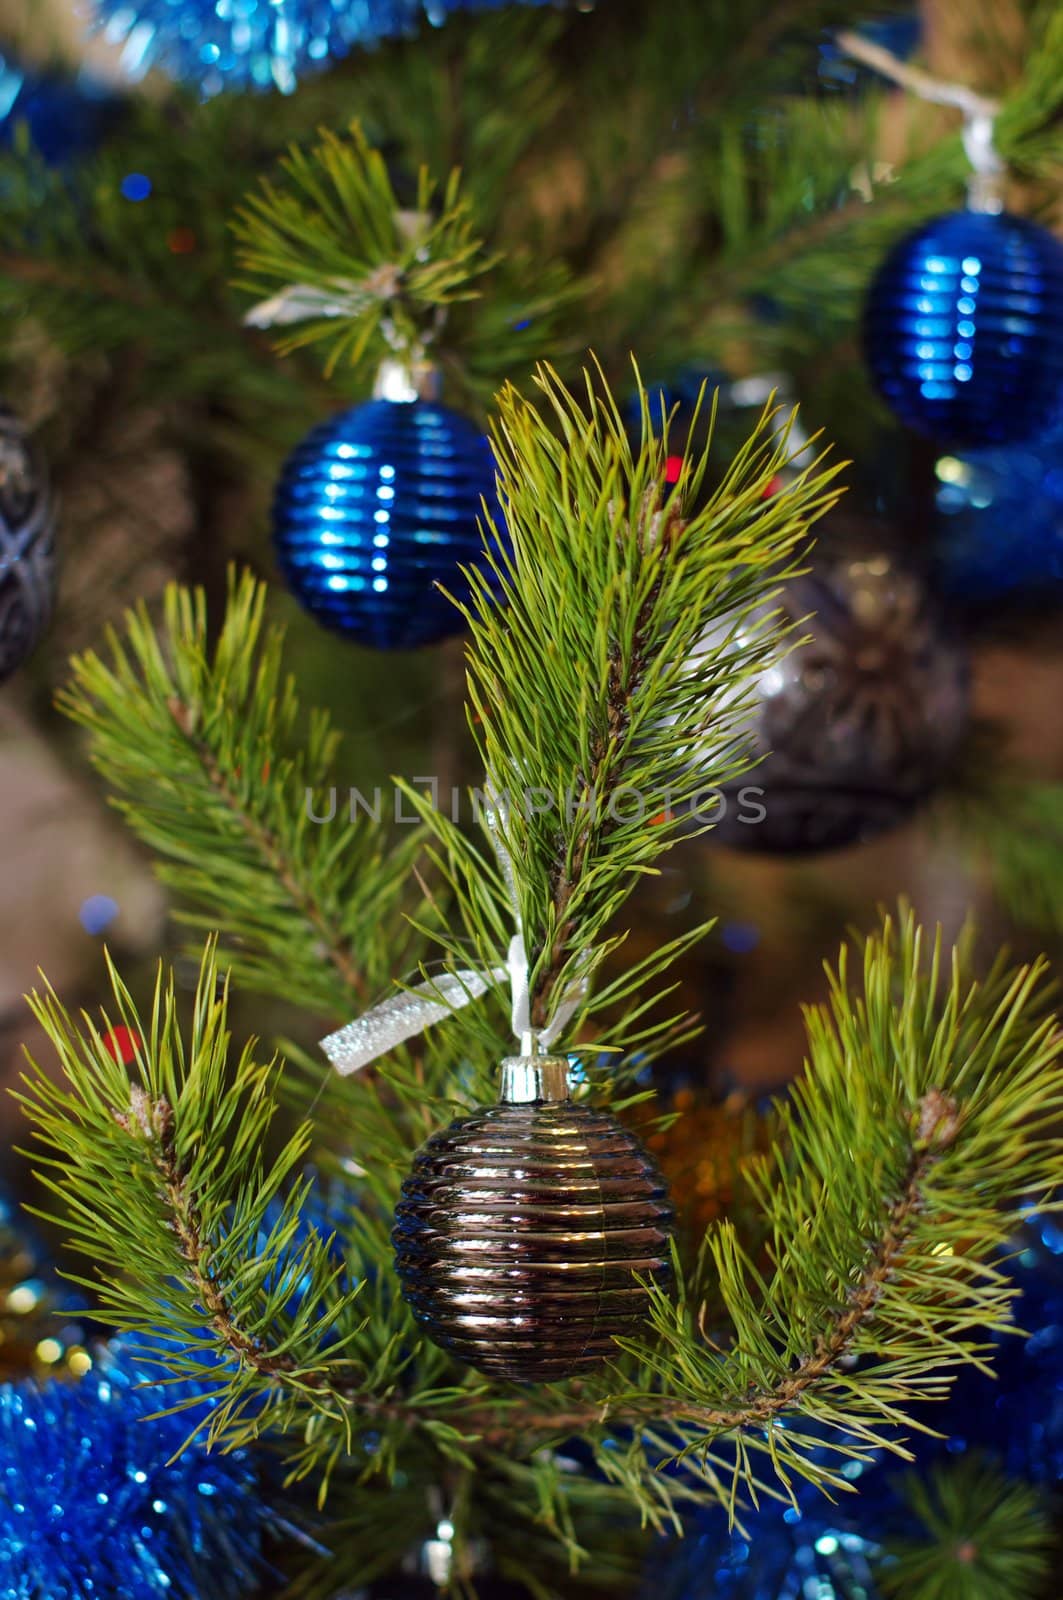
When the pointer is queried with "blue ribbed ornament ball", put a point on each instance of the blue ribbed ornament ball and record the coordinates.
(964, 329)
(1000, 523)
(376, 507)
(66, 117)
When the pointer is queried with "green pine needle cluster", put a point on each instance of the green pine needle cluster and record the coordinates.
(923, 1123)
(338, 226)
(576, 170)
(214, 765)
(193, 1258)
(923, 1093)
(608, 689)
(211, 763)
(976, 1535)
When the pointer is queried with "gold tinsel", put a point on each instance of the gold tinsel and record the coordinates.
(40, 1336)
(702, 1150)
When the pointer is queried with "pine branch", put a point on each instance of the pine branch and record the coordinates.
(924, 1123)
(798, 213)
(610, 685)
(338, 228)
(200, 750)
(202, 1253)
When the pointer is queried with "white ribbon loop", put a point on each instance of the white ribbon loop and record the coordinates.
(343, 297)
(298, 302)
(406, 1015)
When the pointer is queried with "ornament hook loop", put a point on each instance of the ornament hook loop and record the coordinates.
(985, 186)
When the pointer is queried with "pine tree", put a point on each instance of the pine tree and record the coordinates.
(617, 624)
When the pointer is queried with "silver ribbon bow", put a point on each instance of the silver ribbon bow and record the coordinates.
(344, 297)
(406, 1015)
(297, 302)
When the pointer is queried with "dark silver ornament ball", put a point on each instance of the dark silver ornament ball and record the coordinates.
(856, 727)
(522, 1230)
(27, 546)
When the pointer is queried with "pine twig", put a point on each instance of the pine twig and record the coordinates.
(200, 748)
(619, 664)
(264, 841)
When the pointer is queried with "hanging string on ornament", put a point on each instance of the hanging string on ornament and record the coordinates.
(27, 546)
(527, 1232)
(229, 44)
(899, 32)
(963, 323)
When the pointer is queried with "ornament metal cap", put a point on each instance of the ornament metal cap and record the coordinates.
(531, 1077)
(403, 379)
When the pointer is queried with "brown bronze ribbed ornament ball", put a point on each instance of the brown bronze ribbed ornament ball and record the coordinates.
(523, 1229)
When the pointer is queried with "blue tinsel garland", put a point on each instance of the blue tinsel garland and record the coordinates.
(91, 1504)
(260, 44)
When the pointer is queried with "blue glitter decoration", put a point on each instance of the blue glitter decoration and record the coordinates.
(964, 329)
(66, 117)
(1019, 1415)
(261, 44)
(1000, 523)
(375, 507)
(92, 1507)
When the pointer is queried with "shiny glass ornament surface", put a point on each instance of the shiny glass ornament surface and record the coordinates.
(963, 328)
(27, 546)
(377, 506)
(260, 44)
(520, 1232)
(855, 727)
